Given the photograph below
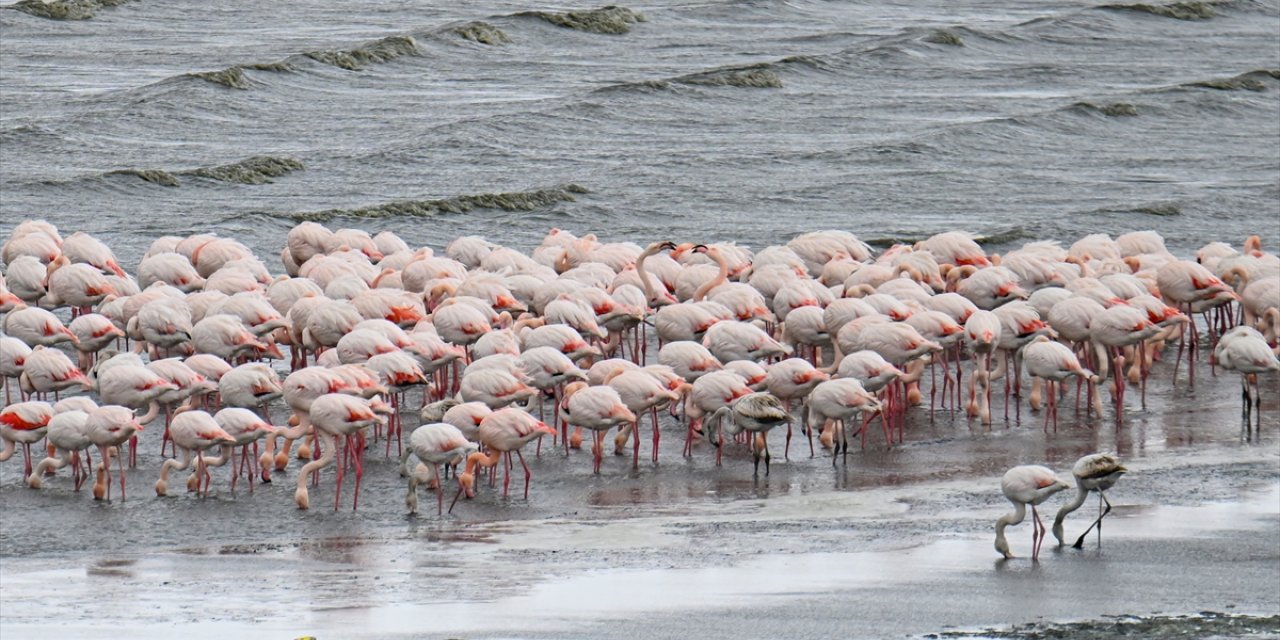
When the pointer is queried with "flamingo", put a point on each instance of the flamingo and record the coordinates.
(793, 379)
(192, 432)
(982, 332)
(713, 391)
(172, 269)
(1053, 362)
(79, 286)
(735, 340)
(840, 399)
(1113, 329)
(108, 427)
(1187, 283)
(1026, 485)
(47, 369)
(246, 428)
(433, 444)
(333, 415)
(756, 413)
(82, 247)
(164, 323)
(23, 423)
(93, 333)
(641, 391)
(67, 437)
(35, 326)
(1094, 472)
(596, 408)
(13, 357)
(1246, 351)
(504, 431)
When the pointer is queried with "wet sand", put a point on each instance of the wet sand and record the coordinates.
(895, 542)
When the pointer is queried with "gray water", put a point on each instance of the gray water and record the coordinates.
(744, 120)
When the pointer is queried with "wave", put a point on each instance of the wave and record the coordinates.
(613, 20)
(254, 170)
(761, 75)
(65, 9)
(943, 36)
(1159, 209)
(154, 176)
(758, 76)
(234, 76)
(1177, 10)
(512, 201)
(481, 32)
(1114, 109)
(375, 52)
(1250, 81)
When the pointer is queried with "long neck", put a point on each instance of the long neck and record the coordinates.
(721, 277)
(479, 459)
(649, 295)
(1081, 494)
(1019, 512)
(153, 410)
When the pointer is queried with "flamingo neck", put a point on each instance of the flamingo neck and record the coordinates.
(479, 459)
(721, 277)
(1081, 494)
(649, 294)
(153, 410)
(1019, 512)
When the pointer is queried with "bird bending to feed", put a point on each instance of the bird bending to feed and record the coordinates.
(1026, 485)
(1094, 472)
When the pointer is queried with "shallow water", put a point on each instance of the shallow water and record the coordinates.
(678, 546)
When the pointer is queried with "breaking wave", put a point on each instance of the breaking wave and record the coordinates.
(65, 9)
(513, 201)
(613, 20)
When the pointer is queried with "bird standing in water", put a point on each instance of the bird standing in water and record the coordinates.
(1026, 485)
(1094, 472)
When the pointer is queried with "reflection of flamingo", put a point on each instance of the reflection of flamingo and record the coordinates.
(1094, 472)
(1026, 485)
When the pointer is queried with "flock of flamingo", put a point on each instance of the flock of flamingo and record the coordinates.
(820, 331)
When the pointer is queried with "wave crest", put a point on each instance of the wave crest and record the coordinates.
(254, 170)
(942, 36)
(613, 20)
(1250, 81)
(513, 201)
(65, 9)
(482, 32)
(375, 52)
(1115, 109)
(1179, 10)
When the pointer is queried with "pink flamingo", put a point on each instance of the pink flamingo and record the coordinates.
(1026, 485)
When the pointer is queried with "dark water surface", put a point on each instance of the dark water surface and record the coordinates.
(742, 120)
